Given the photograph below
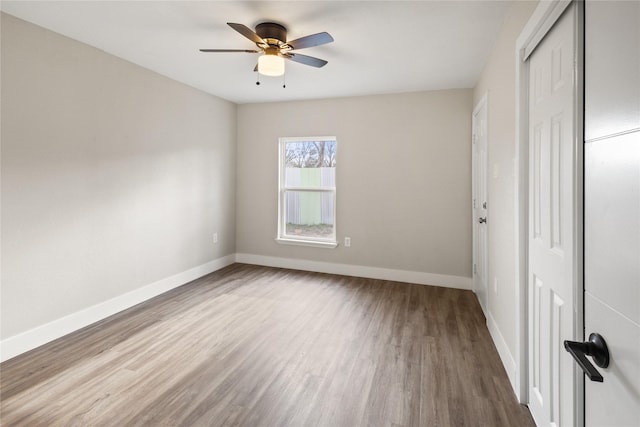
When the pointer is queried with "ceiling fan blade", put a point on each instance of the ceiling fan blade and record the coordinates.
(247, 32)
(229, 50)
(310, 41)
(306, 60)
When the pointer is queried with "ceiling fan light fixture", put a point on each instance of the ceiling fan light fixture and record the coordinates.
(270, 65)
(271, 40)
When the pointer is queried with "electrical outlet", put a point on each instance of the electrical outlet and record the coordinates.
(215, 237)
(347, 242)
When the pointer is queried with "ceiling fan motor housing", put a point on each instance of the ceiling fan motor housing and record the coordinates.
(271, 30)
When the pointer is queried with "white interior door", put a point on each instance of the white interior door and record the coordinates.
(612, 207)
(480, 260)
(552, 213)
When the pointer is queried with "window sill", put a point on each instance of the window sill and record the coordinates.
(311, 243)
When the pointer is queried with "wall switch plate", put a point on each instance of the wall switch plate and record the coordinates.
(347, 242)
(215, 237)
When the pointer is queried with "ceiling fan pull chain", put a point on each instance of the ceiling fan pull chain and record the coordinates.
(284, 80)
(258, 77)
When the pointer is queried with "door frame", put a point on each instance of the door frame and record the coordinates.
(541, 21)
(474, 170)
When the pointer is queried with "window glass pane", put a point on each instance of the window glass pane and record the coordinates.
(309, 214)
(310, 164)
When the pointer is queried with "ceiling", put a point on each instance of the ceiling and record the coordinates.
(380, 46)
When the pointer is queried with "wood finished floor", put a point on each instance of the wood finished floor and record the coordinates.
(256, 346)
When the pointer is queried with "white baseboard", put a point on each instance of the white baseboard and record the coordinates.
(418, 277)
(28, 340)
(506, 357)
(21, 343)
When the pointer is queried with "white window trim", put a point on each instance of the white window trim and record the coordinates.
(281, 237)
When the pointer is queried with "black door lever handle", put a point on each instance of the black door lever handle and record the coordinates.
(596, 347)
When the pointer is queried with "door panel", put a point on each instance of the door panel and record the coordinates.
(612, 207)
(615, 401)
(612, 223)
(480, 259)
(551, 229)
(612, 38)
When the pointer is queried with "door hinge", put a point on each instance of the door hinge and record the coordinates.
(474, 203)
(475, 269)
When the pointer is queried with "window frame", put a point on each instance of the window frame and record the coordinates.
(282, 236)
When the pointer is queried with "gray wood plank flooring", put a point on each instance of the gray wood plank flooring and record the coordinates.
(258, 346)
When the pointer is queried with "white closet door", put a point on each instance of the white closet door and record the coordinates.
(612, 207)
(552, 171)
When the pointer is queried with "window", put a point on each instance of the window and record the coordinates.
(307, 191)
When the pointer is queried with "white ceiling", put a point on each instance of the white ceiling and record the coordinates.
(380, 46)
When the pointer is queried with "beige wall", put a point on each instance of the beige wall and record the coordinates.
(498, 80)
(113, 177)
(403, 178)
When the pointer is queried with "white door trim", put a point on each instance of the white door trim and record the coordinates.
(543, 18)
(541, 21)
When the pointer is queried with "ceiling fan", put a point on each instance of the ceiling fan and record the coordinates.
(271, 40)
